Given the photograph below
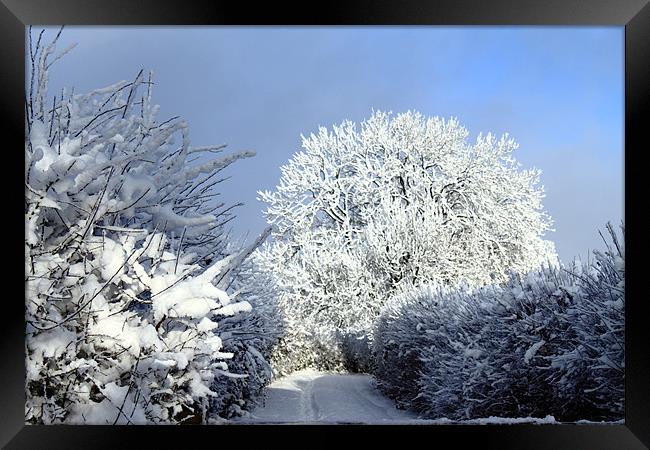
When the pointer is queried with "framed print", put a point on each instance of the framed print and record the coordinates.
(392, 219)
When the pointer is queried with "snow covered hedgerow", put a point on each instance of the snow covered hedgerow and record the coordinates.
(307, 345)
(125, 263)
(115, 336)
(251, 337)
(304, 342)
(589, 373)
(405, 329)
(547, 343)
(399, 201)
(357, 352)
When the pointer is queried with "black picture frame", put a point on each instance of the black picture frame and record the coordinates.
(634, 15)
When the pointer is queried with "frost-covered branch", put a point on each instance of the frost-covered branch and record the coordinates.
(121, 310)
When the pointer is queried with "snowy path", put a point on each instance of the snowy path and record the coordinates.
(309, 396)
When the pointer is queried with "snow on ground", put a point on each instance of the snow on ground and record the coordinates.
(309, 396)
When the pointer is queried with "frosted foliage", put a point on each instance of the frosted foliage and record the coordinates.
(126, 285)
(550, 342)
(399, 201)
(251, 337)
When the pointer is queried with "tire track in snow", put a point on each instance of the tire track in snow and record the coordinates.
(308, 406)
(309, 396)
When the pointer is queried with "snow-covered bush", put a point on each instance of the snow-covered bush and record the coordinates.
(400, 339)
(251, 337)
(356, 350)
(306, 345)
(126, 273)
(401, 201)
(547, 343)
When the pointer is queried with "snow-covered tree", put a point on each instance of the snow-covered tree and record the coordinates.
(399, 201)
(127, 260)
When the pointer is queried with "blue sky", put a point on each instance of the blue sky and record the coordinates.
(557, 90)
